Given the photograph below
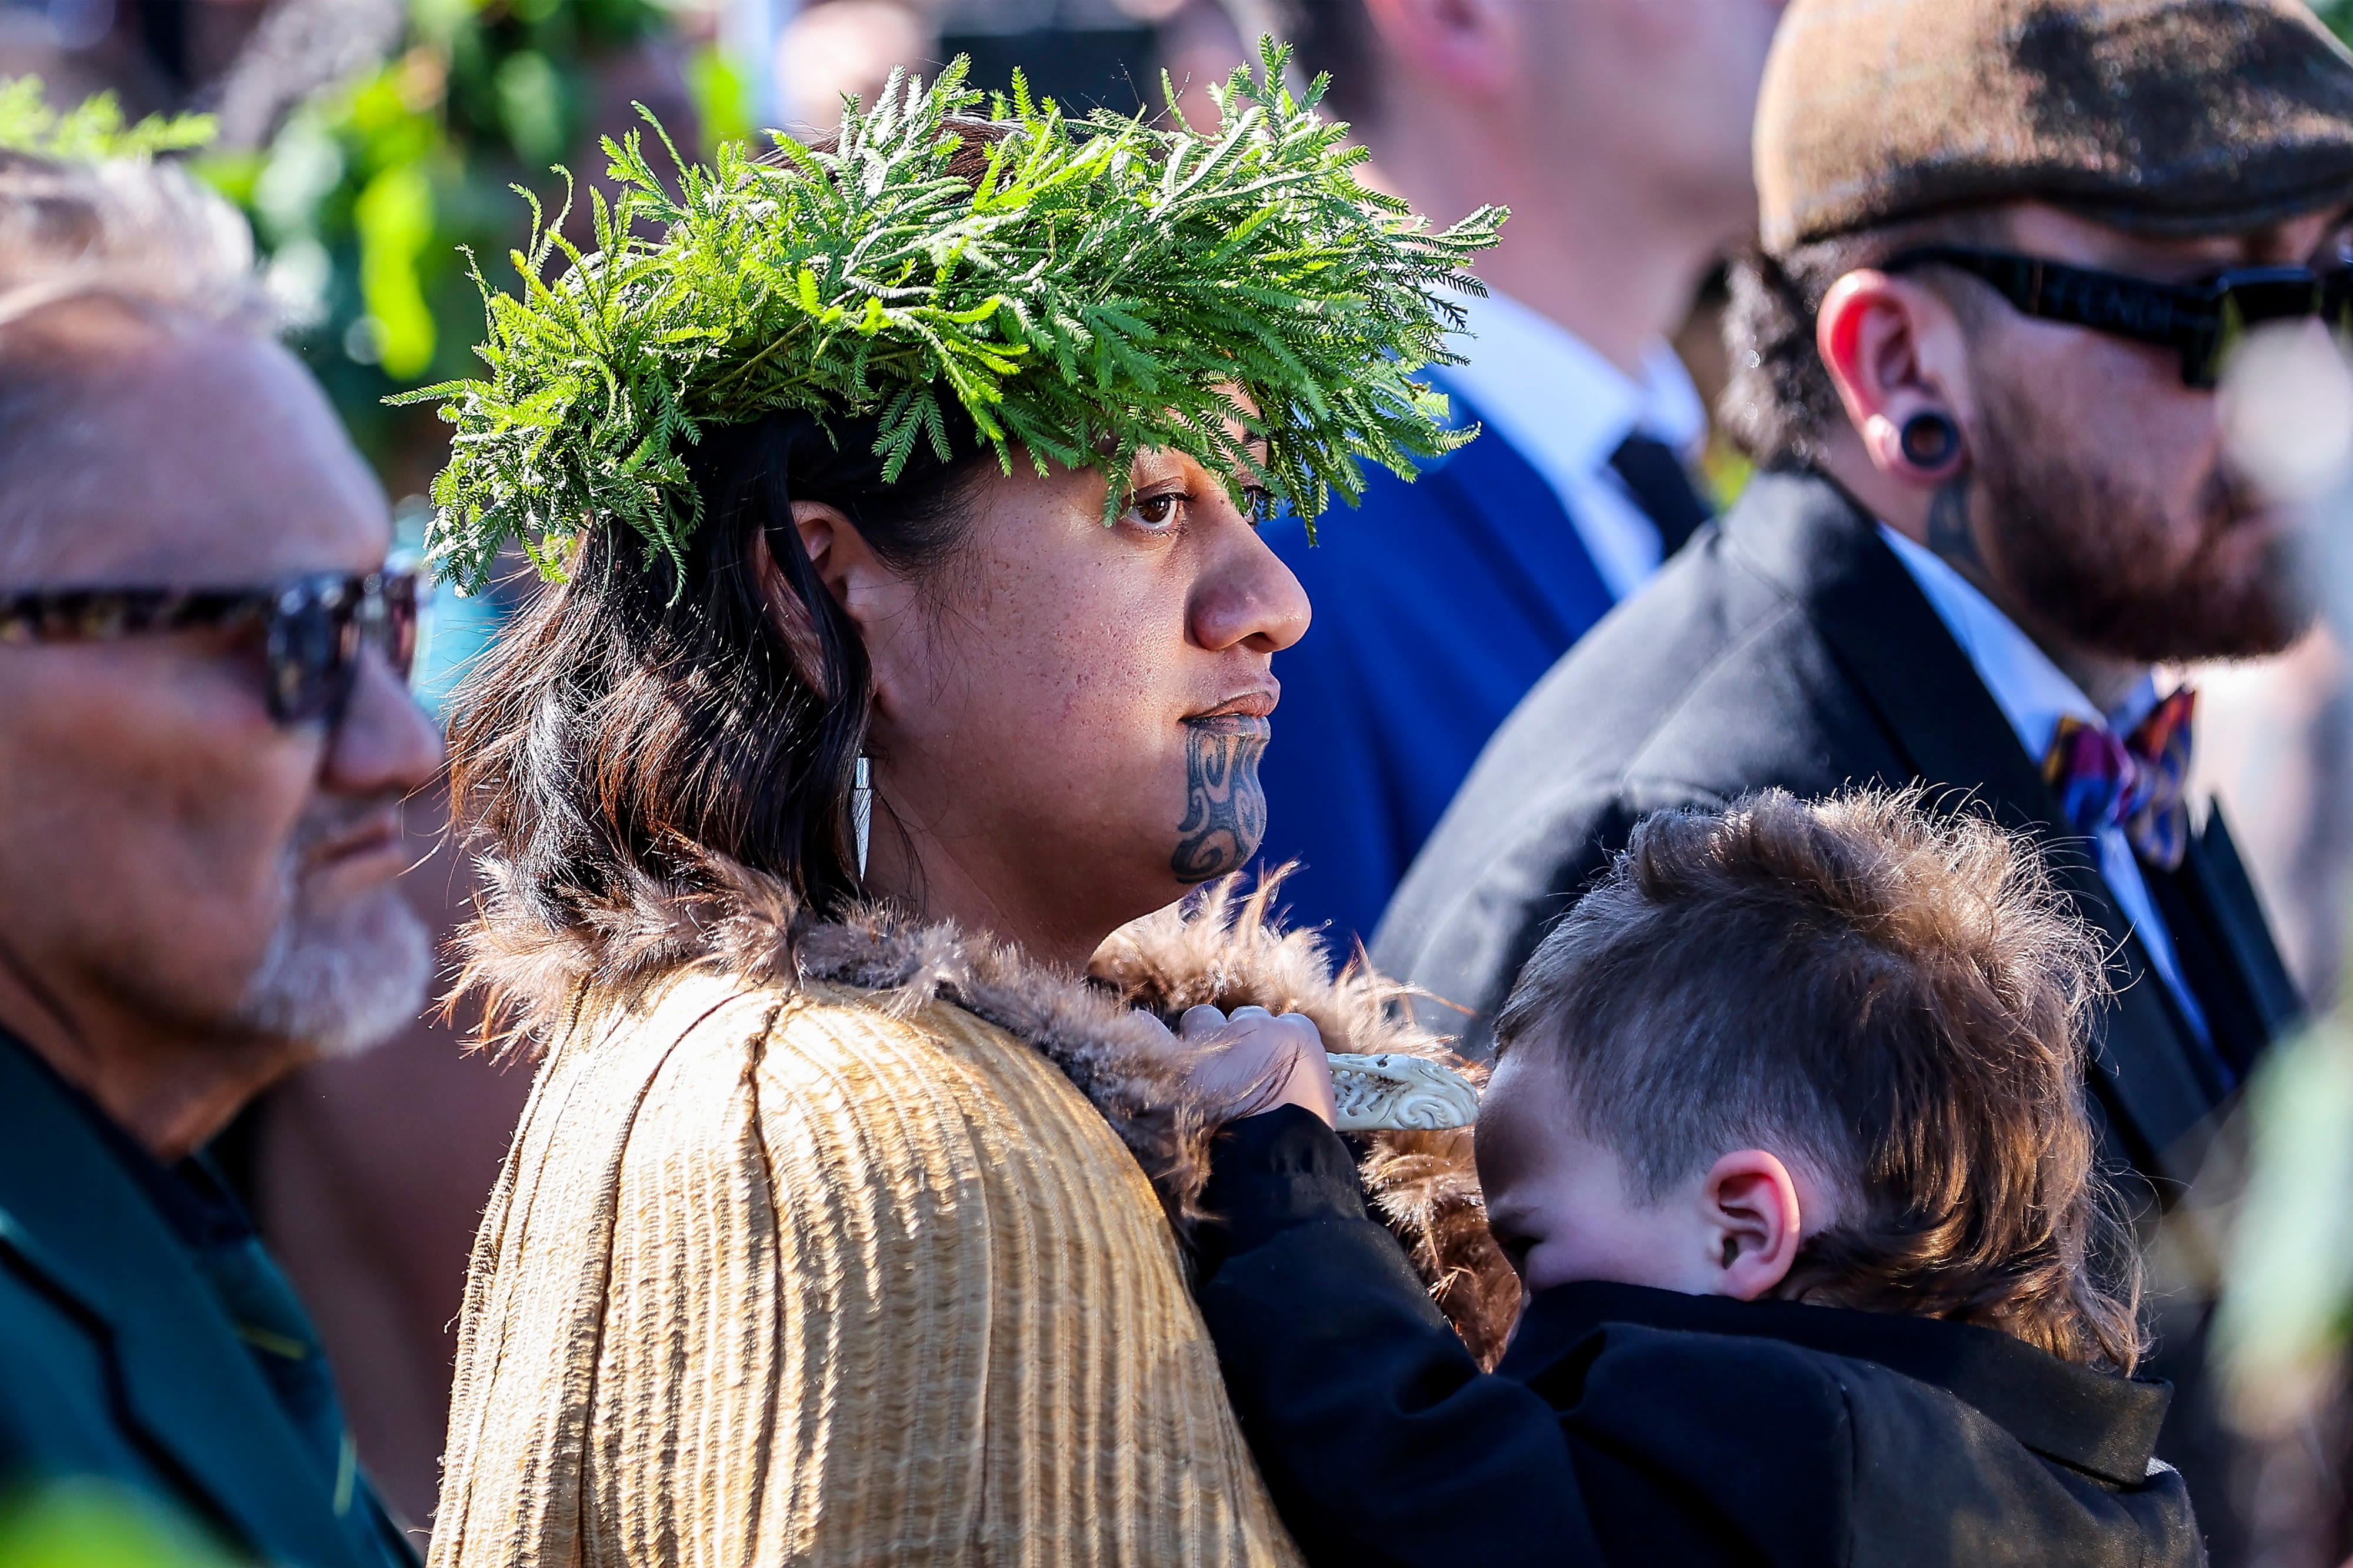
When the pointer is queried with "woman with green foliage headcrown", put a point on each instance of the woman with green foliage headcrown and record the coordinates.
(906, 647)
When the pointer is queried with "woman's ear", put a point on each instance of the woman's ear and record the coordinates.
(794, 619)
(834, 546)
(874, 597)
(1895, 352)
(1748, 1205)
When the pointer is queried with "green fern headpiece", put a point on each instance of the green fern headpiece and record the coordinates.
(1087, 297)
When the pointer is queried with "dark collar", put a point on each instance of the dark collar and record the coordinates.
(1802, 533)
(73, 1214)
(2095, 1422)
(192, 1196)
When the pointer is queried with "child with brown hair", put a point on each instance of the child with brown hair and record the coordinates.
(1788, 1140)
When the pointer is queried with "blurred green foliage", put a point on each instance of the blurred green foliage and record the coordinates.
(365, 195)
(2287, 1313)
(92, 128)
(97, 1524)
(2339, 14)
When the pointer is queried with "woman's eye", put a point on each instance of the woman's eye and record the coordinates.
(1261, 501)
(1157, 511)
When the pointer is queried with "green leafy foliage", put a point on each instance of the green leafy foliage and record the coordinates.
(93, 129)
(364, 194)
(1104, 287)
(95, 1523)
(2339, 14)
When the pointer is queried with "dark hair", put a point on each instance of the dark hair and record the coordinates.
(1337, 37)
(1888, 996)
(1779, 403)
(638, 722)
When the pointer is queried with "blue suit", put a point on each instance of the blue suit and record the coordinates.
(1438, 605)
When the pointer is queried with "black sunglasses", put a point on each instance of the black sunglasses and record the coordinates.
(2202, 321)
(315, 627)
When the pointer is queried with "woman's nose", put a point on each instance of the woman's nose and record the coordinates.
(1248, 598)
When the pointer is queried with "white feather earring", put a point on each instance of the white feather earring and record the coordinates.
(861, 811)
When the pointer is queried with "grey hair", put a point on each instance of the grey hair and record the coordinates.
(144, 236)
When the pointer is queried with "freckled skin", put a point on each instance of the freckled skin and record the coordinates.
(1032, 734)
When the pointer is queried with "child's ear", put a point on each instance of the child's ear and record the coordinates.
(1749, 1205)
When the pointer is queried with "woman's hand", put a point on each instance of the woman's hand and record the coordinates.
(1284, 1053)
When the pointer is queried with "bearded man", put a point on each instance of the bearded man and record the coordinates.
(205, 740)
(2006, 246)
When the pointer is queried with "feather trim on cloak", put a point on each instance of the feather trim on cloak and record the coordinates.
(1104, 1031)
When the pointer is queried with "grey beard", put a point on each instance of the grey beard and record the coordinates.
(342, 982)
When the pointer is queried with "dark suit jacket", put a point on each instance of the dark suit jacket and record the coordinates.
(1630, 1427)
(118, 1362)
(1791, 648)
(1438, 605)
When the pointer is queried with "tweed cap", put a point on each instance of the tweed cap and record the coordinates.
(2169, 116)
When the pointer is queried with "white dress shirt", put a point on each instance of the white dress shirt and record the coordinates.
(2034, 694)
(1566, 409)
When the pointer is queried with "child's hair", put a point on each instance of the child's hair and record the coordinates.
(1887, 996)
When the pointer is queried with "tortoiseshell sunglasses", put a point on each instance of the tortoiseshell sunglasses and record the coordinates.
(314, 627)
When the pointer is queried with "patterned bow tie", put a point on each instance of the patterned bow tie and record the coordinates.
(2136, 784)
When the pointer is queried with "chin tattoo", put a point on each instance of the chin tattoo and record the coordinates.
(1224, 806)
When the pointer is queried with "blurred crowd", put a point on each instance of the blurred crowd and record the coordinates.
(371, 144)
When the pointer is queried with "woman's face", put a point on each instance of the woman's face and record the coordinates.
(1070, 716)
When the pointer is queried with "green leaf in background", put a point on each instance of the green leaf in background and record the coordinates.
(722, 98)
(367, 193)
(93, 129)
(2339, 14)
(2281, 1333)
(394, 218)
(99, 1524)
(531, 106)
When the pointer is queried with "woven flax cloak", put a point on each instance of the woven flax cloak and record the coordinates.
(797, 1261)
(784, 1279)
(805, 1263)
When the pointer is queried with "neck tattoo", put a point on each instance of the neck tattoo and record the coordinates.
(1950, 538)
(1225, 808)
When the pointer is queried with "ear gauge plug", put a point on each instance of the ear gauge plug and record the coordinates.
(1930, 440)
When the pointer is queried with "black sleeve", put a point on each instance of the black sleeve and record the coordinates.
(1382, 1441)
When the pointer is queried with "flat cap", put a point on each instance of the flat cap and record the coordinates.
(2171, 116)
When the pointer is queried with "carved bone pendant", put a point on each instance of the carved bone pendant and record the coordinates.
(1400, 1093)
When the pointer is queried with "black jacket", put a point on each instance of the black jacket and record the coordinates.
(1629, 1427)
(1791, 648)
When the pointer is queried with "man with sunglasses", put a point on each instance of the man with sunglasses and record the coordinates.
(205, 738)
(2007, 247)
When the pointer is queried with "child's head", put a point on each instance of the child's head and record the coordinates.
(1823, 1050)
